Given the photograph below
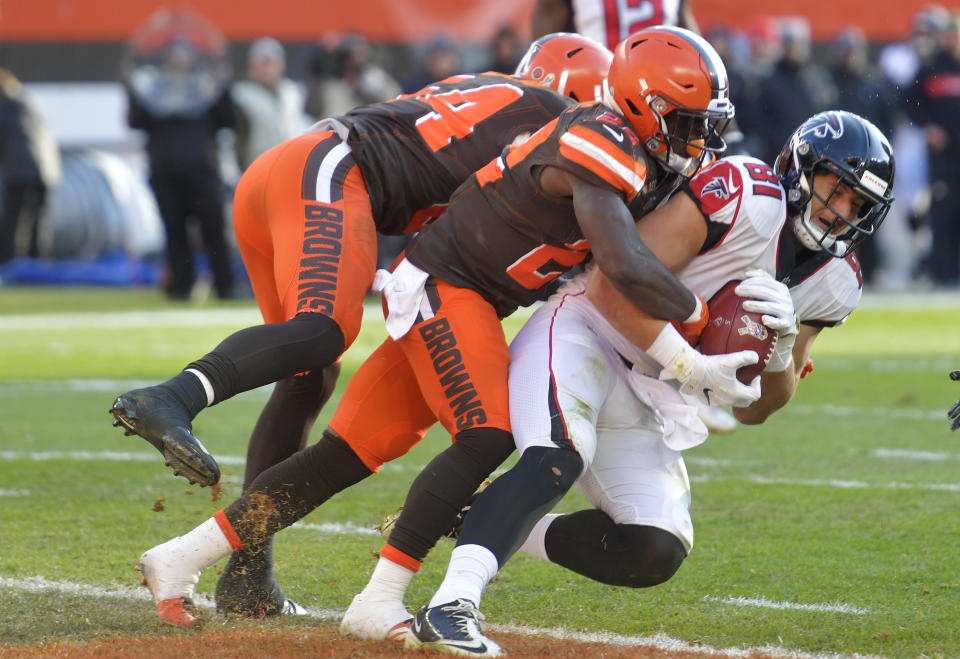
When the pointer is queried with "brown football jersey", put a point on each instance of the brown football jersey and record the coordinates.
(505, 238)
(413, 151)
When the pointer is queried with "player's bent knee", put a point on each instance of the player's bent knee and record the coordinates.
(590, 543)
(322, 339)
(651, 555)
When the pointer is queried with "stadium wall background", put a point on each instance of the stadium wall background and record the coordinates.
(85, 40)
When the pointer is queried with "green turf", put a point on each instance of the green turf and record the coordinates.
(848, 497)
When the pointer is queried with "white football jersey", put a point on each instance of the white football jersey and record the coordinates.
(825, 290)
(744, 206)
(611, 21)
(745, 209)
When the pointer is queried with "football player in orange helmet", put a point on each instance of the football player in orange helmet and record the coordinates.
(566, 63)
(672, 87)
(413, 151)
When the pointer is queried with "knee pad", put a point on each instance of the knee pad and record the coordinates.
(504, 514)
(590, 543)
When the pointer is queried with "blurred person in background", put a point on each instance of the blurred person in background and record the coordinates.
(794, 89)
(441, 61)
(29, 167)
(178, 92)
(933, 102)
(903, 240)
(609, 22)
(862, 91)
(271, 105)
(734, 49)
(341, 74)
(505, 51)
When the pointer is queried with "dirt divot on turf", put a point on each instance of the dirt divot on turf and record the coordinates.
(315, 643)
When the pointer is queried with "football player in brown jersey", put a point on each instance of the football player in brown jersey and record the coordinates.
(307, 214)
(574, 186)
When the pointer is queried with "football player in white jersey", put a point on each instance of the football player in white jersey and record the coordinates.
(588, 405)
(610, 21)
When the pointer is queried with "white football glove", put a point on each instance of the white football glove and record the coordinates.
(711, 379)
(404, 290)
(772, 299)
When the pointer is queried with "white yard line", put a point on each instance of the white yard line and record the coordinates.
(336, 528)
(764, 603)
(904, 454)
(120, 385)
(99, 456)
(872, 412)
(657, 641)
(700, 463)
(832, 483)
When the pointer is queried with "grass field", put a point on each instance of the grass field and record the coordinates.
(831, 529)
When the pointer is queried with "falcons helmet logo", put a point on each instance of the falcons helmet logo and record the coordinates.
(826, 124)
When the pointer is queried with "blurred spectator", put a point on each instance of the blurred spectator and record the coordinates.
(505, 51)
(442, 60)
(734, 49)
(178, 92)
(766, 44)
(901, 61)
(934, 103)
(859, 87)
(270, 104)
(29, 167)
(905, 235)
(795, 89)
(860, 90)
(609, 22)
(341, 75)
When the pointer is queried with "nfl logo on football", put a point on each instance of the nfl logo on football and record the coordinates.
(753, 328)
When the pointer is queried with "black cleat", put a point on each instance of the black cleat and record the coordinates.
(247, 588)
(156, 416)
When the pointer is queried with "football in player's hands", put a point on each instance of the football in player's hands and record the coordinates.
(732, 329)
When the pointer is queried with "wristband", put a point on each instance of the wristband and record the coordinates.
(697, 310)
(672, 351)
(782, 355)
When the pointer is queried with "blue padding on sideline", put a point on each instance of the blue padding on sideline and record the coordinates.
(113, 268)
(109, 269)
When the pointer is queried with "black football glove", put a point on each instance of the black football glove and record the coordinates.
(954, 412)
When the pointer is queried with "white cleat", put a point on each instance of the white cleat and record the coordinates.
(717, 420)
(291, 608)
(375, 619)
(170, 582)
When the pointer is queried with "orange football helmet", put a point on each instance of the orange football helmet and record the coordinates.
(568, 63)
(672, 86)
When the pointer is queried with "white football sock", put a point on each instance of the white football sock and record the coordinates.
(203, 546)
(471, 569)
(536, 542)
(175, 565)
(389, 580)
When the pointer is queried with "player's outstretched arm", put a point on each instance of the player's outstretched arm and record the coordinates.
(954, 412)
